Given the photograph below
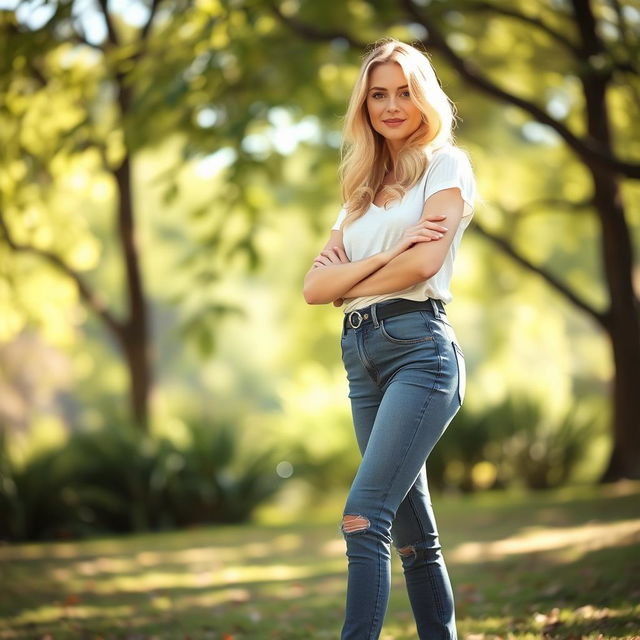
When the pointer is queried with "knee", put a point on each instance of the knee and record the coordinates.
(426, 551)
(407, 552)
(354, 523)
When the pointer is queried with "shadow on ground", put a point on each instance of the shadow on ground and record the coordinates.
(563, 564)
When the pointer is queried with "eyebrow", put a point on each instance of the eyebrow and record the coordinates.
(404, 86)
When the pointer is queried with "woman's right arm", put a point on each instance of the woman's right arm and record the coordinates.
(323, 283)
(332, 274)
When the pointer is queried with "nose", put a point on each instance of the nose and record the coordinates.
(391, 105)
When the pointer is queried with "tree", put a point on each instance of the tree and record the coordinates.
(597, 43)
(107, 89)
(30, 72)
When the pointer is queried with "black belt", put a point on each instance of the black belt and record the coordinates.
(359, 317)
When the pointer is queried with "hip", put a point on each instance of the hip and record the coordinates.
(423, 340)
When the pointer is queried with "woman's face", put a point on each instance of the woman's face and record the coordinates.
(392, 112)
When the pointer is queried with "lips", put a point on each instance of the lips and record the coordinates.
(393, 122)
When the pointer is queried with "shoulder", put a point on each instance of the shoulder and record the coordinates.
(449, 155)
(450, 164)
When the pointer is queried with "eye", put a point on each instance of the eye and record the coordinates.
(377, 95)
(406, 93)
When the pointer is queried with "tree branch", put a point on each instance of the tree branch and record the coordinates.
(149, 23)
(629, 65)
(548, 277)
(111, 30)
(79, 38)
(587, 148)
(529, 207)
(623, 27)
(310, 32)
(560, 38)
(95, 302)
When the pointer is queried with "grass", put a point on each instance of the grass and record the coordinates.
(557, 564)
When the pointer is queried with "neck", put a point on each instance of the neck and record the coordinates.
(394, 150)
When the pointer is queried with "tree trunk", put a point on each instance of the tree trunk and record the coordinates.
(135, 336)
(624, 460)
(623, 329)
(136, 354)
(622, 321)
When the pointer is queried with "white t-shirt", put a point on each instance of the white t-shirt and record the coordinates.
(379, 229)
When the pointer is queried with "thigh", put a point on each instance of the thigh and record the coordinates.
(414, 412)
(364, 410)
(364, 393)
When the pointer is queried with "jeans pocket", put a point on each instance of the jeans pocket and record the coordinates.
(462, 372)
(407, 328)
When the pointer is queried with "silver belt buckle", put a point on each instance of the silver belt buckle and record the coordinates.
(350, 319)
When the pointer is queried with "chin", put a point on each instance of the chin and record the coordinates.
(393, 135)
(400, 137)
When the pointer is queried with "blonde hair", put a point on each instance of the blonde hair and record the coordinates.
(365, 157)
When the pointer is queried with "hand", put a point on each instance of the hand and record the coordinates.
(335, 255)
(425, 231)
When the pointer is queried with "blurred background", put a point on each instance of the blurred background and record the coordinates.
(168, 171)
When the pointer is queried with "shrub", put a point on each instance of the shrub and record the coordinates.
(117, 479)
(35, 502)
(543, 453)
(516, 441)
(214, 481)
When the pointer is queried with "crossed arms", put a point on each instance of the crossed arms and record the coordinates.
(416, 257)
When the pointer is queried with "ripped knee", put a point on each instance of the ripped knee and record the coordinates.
(428, 551)
(407, 552)
(353, 524)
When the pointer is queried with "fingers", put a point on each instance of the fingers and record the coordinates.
(341, 254)
(332, 255)
(335, 255)
(433, 230)
(425, 234)
(435, 227)
(322, 260)
(420, 238)
(428, 224)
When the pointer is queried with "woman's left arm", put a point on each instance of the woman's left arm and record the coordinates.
(423, 259)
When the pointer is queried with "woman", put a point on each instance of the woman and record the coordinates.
(408, 197)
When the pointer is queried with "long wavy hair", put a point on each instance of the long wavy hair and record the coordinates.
(365, 157)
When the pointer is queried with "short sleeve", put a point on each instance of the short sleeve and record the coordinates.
(452, 168)
(340, 219)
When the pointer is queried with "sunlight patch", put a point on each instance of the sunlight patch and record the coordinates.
(587, 536)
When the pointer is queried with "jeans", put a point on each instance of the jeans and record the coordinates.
(406, 382)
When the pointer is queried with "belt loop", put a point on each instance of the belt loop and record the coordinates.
(436, 310)
(374, 315)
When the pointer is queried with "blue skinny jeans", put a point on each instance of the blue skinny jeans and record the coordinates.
(406, 379)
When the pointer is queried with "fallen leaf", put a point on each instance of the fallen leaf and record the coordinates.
(589, 612)
(551, 621)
